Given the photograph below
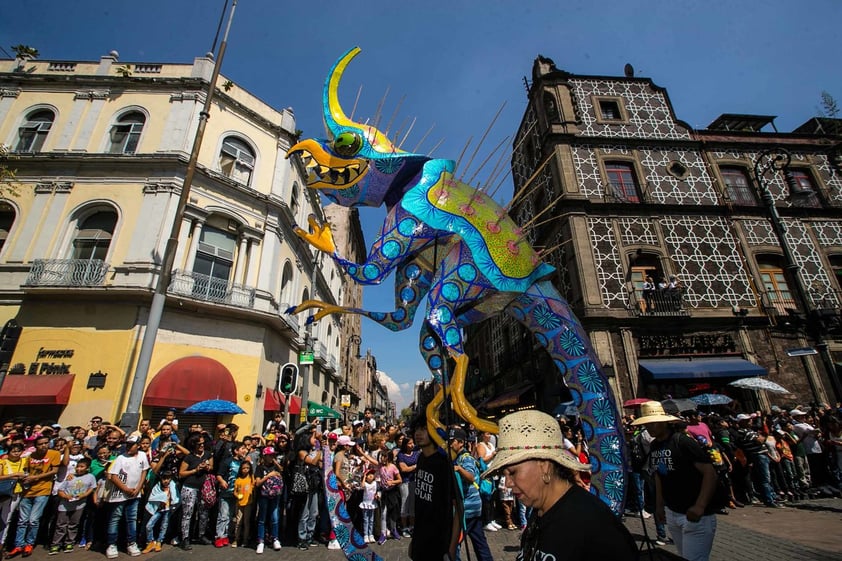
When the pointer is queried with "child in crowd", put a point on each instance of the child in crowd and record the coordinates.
(162, 500)
(369, 505)
(243, 492)
(73, 493)
(507, 501)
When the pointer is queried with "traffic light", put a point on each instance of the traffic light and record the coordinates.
(289, 378)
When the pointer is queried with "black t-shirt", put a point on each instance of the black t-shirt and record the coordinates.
(673, 461)
(434, 485)
(195, 480)
(578, 527)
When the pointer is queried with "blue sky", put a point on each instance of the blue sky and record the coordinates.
(456, 62)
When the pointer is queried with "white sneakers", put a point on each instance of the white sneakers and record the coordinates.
(276, 545)
(496, 525)
(369, 539)
(645, 514)
(259, 549)
(111, 552)
(333, 544)
(490, 527)
(133, 550)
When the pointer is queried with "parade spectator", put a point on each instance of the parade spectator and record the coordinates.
(685, 483)
(73, 494)
(390, 497)
(244, 492)
(306, 505)
(170, 419)
(195, 468)
(12, 468)
(468, 475)
(127, 474)
(567, 522)
(226, 477)
(166, 437)
(268, 479)
(407, 461)
(37, 487)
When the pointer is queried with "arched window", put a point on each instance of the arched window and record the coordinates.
(125, 133)
(7, 219)
(93, 237)
(213, 264)
(293, 201)
(33, 132)
(305, 295)
(236, 160)
(286, 284)
(550, 108)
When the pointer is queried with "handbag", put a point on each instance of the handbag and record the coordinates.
(208, 490)
(7, 488)
(314, 478)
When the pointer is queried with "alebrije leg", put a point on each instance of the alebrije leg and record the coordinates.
(460, 403)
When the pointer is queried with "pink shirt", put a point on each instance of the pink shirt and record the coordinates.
(387, 474)
(700, 430)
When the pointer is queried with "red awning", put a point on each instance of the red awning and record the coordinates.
(36, 390)
(275, 400)
(188, 380)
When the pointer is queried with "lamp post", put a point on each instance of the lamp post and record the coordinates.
(777, 160)
(352, 340)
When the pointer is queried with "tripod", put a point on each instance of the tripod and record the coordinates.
(646, 542)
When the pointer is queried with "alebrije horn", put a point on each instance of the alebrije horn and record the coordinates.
(334, 116)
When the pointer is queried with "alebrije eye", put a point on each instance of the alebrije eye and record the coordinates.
(347, 144)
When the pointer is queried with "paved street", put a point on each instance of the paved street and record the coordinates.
(808, 530)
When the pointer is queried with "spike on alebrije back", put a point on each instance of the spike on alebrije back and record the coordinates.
(334, 116)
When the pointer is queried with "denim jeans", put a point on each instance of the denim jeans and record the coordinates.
(128, 507)
(227, 504)
(763, 479)
(309, 517)
(473, 530)
(693, 540)
(7, 510)
(30, 511)
(368, 521)
(164, 517)
(639, 502)
(269, 507)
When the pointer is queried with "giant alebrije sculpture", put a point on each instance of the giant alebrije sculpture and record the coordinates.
(455, 247)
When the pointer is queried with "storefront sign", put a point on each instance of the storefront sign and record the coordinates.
(686, 345)
(39, 368)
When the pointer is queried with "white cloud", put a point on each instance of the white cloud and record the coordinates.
(401, 394)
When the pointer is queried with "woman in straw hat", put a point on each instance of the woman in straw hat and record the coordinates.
(567, 522)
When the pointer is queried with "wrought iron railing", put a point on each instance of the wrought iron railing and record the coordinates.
(210, 289)
(779, 303)
(660, 302)
(67, 272)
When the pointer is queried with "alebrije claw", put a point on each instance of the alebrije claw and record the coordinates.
(290, 310)
(310, 320)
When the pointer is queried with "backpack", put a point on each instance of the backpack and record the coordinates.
(638, 453)
(486, 485)
(207, 493)
(272, 487)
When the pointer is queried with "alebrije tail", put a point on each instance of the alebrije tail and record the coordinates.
(352, 542)
(544, 312)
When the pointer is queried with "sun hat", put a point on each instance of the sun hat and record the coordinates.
(796, 412)
(653, 412)
(531, 435)
(344, 440)
(269, 436)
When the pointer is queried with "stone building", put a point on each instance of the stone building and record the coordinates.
(624, 190)
(101, 155)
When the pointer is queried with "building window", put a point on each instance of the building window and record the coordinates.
(286, 284)
(93, 237)
(623, 181)
(803, 181)
(236, 160)
(293, 201)
(610, 110)
(776, 287)
(550, 108)
(33, 133)
(738, 185)
(215, 260)
(125, 134)
(7, 219)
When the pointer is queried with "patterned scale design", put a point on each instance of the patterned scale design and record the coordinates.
(647, 107)
(547, 315)
(352, 542)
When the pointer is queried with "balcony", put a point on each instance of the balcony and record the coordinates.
(667, 302)
(211, 289)
(67, 272)
(778, 303)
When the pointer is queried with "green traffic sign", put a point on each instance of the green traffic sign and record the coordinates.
(305, 357)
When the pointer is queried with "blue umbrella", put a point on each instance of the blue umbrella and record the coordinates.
(215, 407)
(711, 399)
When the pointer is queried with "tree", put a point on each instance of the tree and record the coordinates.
(8, 176)
(25, 52)
(829, 107)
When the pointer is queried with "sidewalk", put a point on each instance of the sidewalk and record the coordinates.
(808, 530)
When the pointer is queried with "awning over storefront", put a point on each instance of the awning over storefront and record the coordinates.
(275, 401)
(318, 410)
(36, 390)
(511, 397)
(682, 369)
(187, 380)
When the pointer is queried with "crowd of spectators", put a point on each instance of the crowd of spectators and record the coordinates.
(761, 458)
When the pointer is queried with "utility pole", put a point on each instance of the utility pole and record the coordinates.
(131, 417)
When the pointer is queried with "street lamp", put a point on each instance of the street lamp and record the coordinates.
(352, 340)
(778, 160)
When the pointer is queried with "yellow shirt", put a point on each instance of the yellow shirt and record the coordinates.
(243, 487)
(8, 467)
(51, 460)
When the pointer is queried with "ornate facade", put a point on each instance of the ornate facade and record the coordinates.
(629, 191)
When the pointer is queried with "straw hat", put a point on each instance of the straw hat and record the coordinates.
(653, 412)
(531, 435)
